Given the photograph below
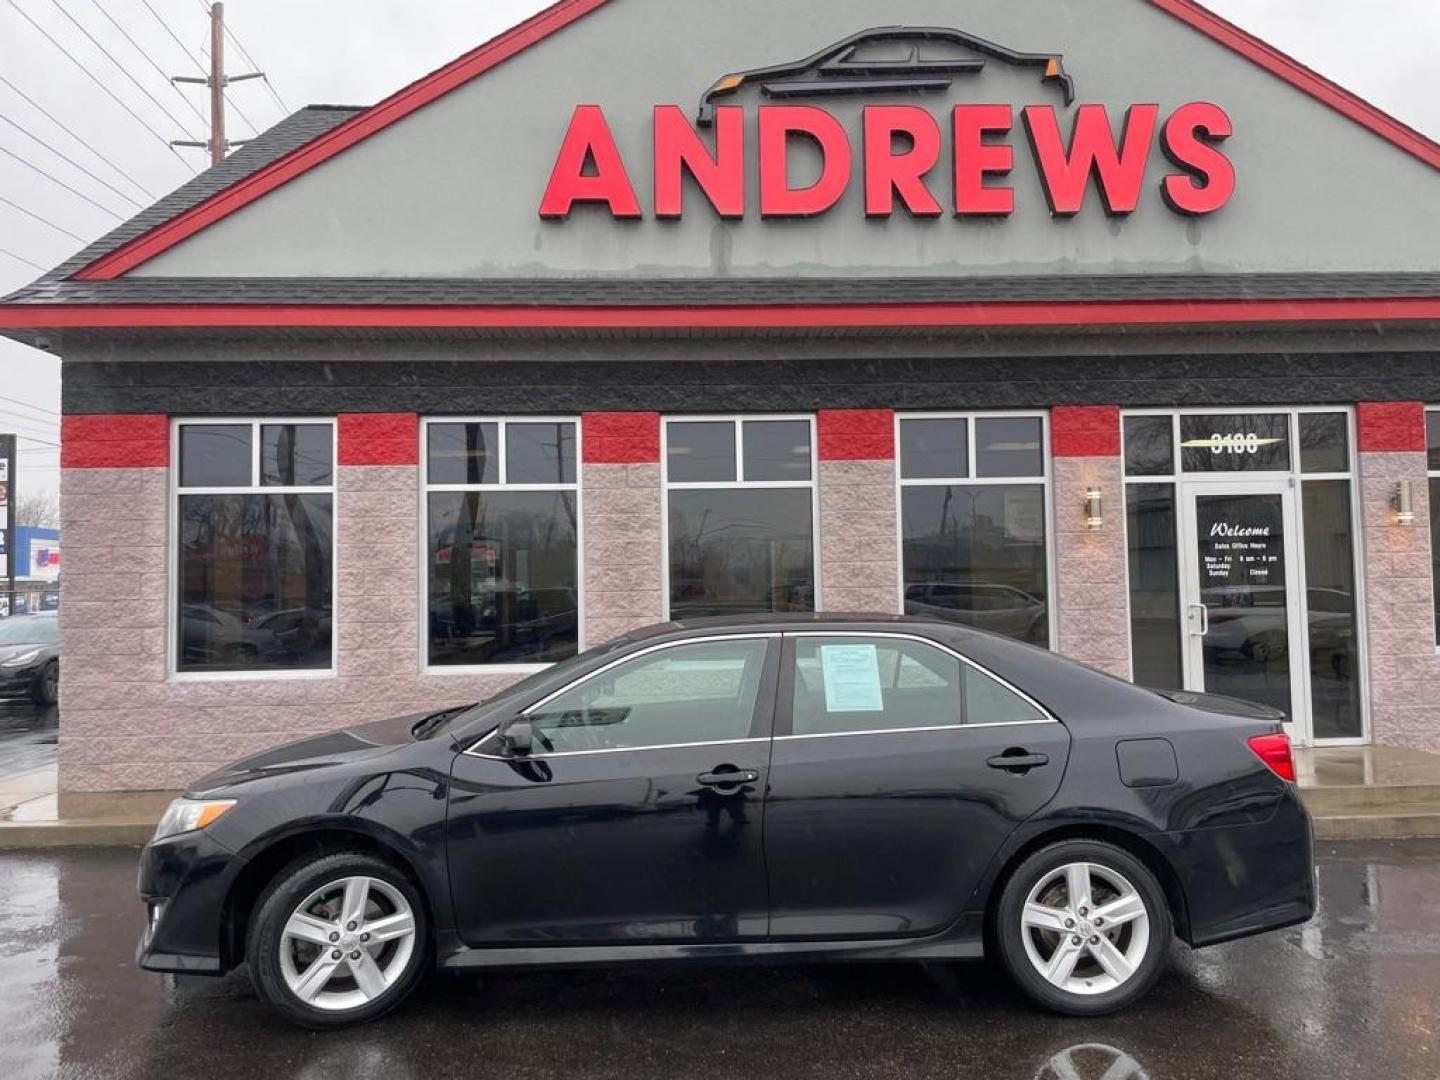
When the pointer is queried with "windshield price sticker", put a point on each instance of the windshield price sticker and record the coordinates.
(852, 678)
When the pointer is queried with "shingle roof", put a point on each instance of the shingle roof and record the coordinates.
(294, 131)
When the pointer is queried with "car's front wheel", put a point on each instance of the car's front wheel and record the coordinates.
(1082, 927)
(338, 940)
(47, 684)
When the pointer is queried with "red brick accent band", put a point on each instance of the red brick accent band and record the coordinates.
(620, 438)
(856, 434)
(1390, 425)
(379, 438)
(131, 441)
(1085, 431)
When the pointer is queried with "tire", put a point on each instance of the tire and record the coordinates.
(1133, 944)
(281, 962)
(47, 684)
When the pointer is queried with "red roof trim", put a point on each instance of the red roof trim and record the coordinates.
(41, 317)
(340, 138)
(1303, 78)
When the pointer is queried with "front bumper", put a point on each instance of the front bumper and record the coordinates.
(19, 680)
(184, 881)
(1247, 879)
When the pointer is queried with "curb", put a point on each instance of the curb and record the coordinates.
(42, 835)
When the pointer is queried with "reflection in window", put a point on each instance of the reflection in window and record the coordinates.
(976, 554)
(1330, 603)
(1155, 631)
(740, 516)
(1149, 445)
(501, 563)
(705, 692)
(254, 580)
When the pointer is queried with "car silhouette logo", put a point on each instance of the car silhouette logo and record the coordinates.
(836, 70)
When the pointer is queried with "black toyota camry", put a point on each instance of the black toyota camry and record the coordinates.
(753, 789)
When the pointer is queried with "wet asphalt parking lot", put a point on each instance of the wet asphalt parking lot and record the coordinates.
(1356, 993)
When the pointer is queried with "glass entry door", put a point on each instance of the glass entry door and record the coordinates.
(1242, 602)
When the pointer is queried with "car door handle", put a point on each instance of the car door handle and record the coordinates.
(726, 779)
(1021, 762)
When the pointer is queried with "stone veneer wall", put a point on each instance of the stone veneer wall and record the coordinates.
(1399, 614)
(1092, 589)
(859, 555)
(621, 510)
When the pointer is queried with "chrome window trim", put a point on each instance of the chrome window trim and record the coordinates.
(583, 679)
(909, 730)
(1050, 718)
(613, 749)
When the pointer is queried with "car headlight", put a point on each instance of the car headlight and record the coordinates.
(187, 815)
(23, 658)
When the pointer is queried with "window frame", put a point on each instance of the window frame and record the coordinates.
(770, 637)
(667, 486)
(1044, 479)
(1178, 478)
(784, 705)
(502, 421)
(172, 530)
(1430, 474)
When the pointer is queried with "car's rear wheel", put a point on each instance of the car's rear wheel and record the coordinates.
(1082, 927)
(47, 684)
(338, 940)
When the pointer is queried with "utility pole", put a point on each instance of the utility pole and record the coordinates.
(217, 80)
(8, 505)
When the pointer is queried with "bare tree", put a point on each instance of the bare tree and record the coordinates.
(40, 510)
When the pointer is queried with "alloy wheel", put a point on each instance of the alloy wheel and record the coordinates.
(347, 943)
(1085, 928)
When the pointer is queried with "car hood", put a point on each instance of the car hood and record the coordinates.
(1224, 706)
(316, 752)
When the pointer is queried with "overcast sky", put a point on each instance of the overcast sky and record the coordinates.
(356, 53)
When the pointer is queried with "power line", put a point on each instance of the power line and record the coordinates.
(121, 68)
(30, 405)
(48, 116)
(56, 180)
(42, 220)
(198, 65)
(71, 161)
(97, 81)
(244, 52)
(149, 60)
(42, 442)
(20, 258)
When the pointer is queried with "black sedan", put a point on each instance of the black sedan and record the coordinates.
(745, 789)
(30, 656)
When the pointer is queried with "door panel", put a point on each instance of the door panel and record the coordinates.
(1243, 621)
(886, 832)
(637, 816)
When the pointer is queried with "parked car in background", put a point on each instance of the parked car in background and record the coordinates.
(1001, 609)
(744, 789)
(30, 656)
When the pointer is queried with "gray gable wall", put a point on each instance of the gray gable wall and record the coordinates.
(453, 190)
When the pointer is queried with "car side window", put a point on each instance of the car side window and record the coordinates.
(989, 701)
(846, 684)
(691, 693)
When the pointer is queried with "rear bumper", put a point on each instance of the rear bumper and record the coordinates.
(1240, 880)
(184, 882)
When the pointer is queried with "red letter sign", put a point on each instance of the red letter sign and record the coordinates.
(1065, 174)
(887, 172)
(975, 159)
(589, 139)
(1189, 140)
(678, 147)
(777, 124)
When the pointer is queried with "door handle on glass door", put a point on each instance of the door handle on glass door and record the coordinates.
(1204, 619)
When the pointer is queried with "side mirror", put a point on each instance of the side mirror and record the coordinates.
(517, 738)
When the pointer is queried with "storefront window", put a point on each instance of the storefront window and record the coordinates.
(1154, 585)
(974, 542)
(740, 511)
(255, 540)
(1234, 442)
(1330, 610)
(502, 574)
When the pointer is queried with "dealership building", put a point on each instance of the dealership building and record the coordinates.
(1102, 325)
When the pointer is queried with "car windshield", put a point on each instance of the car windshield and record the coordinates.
(29, 630)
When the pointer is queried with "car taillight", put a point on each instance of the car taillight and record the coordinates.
(1274, 751)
